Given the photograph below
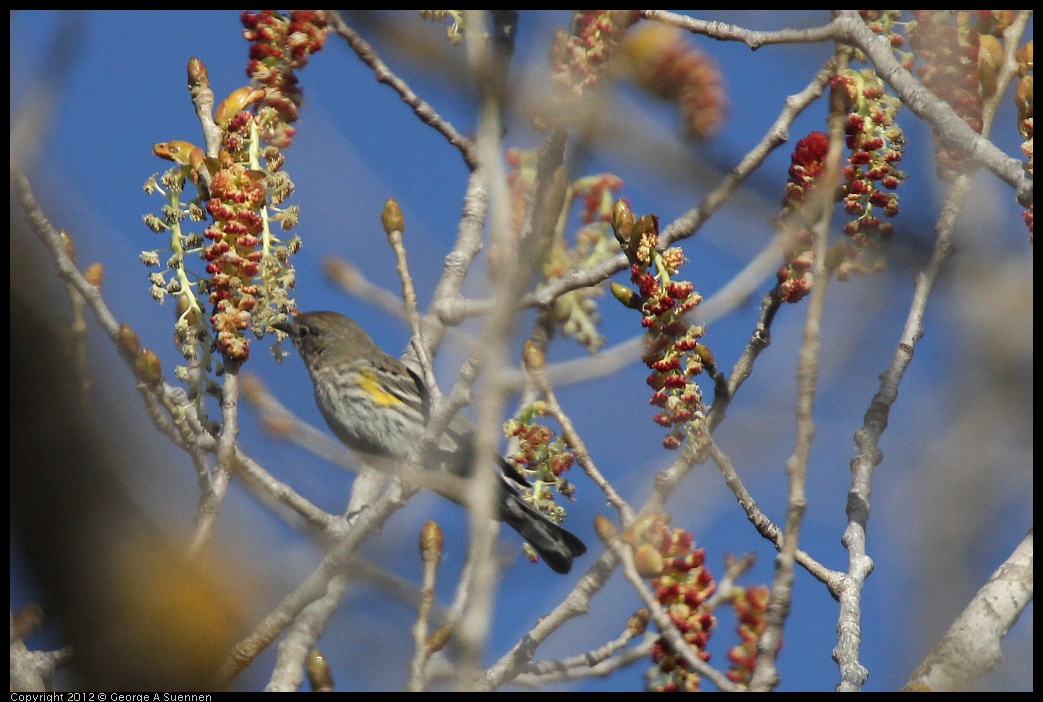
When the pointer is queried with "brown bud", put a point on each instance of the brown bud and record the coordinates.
(533, 355)
(604, 528)
(391, 217)
(646, 224)
(636, 530)
(705, 356)
(213, 165)
(149, 369)
(1023, 97)
(1003, 18)
(622, 222)
(1025, 58)
(625, 295)
(70, 248)
(990, 59)
(197, 75)
(320, 676)
(437, 641)
(184, 152)
(431, 541)
(94, 273)
(128, 341)
(237, 100)
(638, 622)
(562, 310)
(648, 561)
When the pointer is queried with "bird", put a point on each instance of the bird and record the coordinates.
(377, 406)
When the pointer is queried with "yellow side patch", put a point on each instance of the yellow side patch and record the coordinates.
(376, 393)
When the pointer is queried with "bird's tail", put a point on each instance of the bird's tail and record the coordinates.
(556, 545)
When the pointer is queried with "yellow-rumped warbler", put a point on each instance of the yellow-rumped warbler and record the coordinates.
(377, 406)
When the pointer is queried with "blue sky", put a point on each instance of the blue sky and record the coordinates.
(117, 86)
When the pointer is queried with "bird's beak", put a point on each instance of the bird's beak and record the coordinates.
(285, 327)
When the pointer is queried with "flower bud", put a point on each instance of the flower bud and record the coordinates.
(638, 622)
(604, 528)
(622, 221)
(148, 368)
(94, 273)
(1023, 99)
(635, 532)
(320, 676)
(1025, 59)
(391, 217)
(197, 75)
(705, 356)
(990, 59)
(646, 224)
(184, 152)
(533, 356)
(128, 341)
(236, 101)
(625, 295)
(649, 561)
(437, 641)
(431, 542)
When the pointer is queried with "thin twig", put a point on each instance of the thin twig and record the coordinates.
(385, 75)
(301, 637)
(394, 224)
(213, 495)
(832, 579)
(817, 206)
(537, 372)
(316, 585)
(599, 662)
(431, 555)
(178, 420)
(750, 37)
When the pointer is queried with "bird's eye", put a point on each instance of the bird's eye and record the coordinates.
(303, 331)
